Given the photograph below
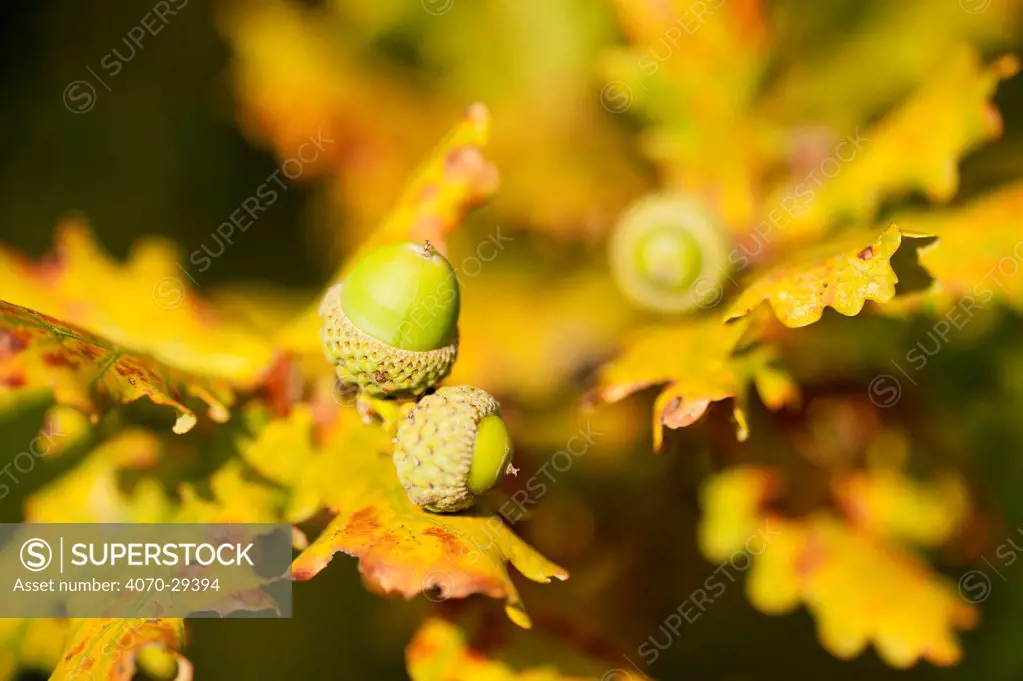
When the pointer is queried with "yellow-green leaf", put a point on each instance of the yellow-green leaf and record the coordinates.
(843, 273)
(291, 434)
(236, 498)
(850, 74)
(91, 492)
(402, 548)
(442, 651)
(861, 586)
(916, 147)
(104, 648)
(145, 304)
(697, 360)
(86, 371)
(453, 179)
(30, 644)
(978, 255)
(96, 490)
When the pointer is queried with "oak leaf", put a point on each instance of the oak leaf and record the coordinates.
(977, 255)
(234, 497)
(860, 586)
(890, 504)
(128, 478)
(144, 304)
(917, 146)
(861, 589)
(442, 650)
(699, 362)
(454, 178)
(103, 648)
(402, 548)
(30, 644)
(843, 273)
(83, 370)
(92, 491)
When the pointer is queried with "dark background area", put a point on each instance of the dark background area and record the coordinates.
(157, 154)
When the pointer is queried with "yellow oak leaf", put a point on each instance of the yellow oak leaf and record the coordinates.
(83, 370)
(295, 75)
(92, 492)
(698, 361)
(123, 479)
(836, 81)
(236, 498)
(30, 644)
(978, 253)
(917, 146)
(842, 273)
(889, 504)
(103, 648)
(63, 427)
(289, 434)
(402, 548)
(861, 589)
(694, 70)
(861, 586)
(453, 179)
(732, 504)
(144, 304)
(442, 651)
(293, 434)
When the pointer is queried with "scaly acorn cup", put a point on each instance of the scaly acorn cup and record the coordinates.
(451, 447)
(669, 254)
(391, 327)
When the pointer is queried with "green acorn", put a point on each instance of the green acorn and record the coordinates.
(669, 254)
(451, 447)
(391, 327)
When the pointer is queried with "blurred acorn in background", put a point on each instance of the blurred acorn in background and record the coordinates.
(669, 254)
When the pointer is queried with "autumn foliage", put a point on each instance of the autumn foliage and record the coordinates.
(803, 439)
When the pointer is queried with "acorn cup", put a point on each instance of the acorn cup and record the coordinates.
(391, 326)
(452, 447)
(669, 254)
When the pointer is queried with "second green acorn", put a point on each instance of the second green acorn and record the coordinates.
(452, 447)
